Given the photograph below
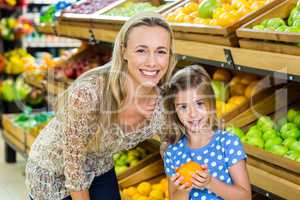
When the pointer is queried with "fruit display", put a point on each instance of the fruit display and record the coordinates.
(290, 24)
(53, 11)
(12, 29)
(281, 137)
(14, 90)
(126, 159)
(231, 92)
(213, 12)
(12, 3)
(147, 191)
(17, 60)
(81, 63)
(32, 122)
(88, 6)
(2, 62)
(131, 8)
(187, 170)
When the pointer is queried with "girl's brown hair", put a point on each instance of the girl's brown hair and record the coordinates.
(193, 76)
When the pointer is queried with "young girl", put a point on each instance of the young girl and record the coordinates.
(194, 136)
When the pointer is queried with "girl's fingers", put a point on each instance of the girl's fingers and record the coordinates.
(203, 174)
(198, 179)
(176, 176)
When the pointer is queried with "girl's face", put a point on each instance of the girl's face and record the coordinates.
(147, 54)
(192, 110)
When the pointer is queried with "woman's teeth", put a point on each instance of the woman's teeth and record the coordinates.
(149, 73)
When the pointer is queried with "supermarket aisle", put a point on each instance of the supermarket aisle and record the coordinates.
(12, 178)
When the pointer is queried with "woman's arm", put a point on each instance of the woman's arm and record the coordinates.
(239, 190)
(80, 195)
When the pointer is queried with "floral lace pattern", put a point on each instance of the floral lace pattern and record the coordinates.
(62, 159)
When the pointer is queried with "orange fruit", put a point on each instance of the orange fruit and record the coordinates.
(144, 188)
(248, 78)
(187, 170)
(235, 80)
(222, 75)
(237, 89)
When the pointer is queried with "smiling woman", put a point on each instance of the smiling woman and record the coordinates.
(106, 110)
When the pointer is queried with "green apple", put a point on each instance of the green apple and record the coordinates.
(275, 22)
(291, 114)
(296, 23)
(297, 120)
(265, 123)
(133, 163)
(255, 141)
(289, 141)
(298, 159)
(239, 132)
(272, 141)
(269, 134)
(244, 139)
(281, 122)
(133, 153)
(258, 27)
(295, 146)
(295, 133)
(292, 154)
(286, 127)
(282, 28)
(265, 22)
(293, 29)
(116, 156)
(278, 149)
(254, 131)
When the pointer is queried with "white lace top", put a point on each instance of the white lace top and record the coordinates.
(63, 157)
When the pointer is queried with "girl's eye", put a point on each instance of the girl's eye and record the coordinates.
(199, 103)
(182, 107)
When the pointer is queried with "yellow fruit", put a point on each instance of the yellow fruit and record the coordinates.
(136, 196)
(143, 198)
(194, 14)
(229, 107)
(179, 18)
(171, 17)
(201, 21)
(188, 19)
(164, 184)
(144, 188)
(252, 89)
(237, 100)
(237, 89)
(235, 80)
(131, 191)
(222, 75)
(248, 78)
(157, 186)
(156, 195)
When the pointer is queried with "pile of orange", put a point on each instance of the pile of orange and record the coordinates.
(242, 87)
(148, 191)
(226, 14)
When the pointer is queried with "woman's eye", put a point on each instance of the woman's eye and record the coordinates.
(162, 52)
(140, 51)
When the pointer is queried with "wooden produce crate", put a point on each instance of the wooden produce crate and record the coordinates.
(214, 34)
(279, 42)
(279, 98)
(21, 138)
(152, 147)
(148, 172)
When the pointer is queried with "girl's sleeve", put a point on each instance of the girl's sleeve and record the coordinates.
(78, 119)
(168, 163)
(234, 150)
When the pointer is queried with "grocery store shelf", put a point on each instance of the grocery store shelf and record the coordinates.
(42, 1)
(52, 44)
(274, 64)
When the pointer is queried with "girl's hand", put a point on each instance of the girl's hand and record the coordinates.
(201, 179)
(177, 179)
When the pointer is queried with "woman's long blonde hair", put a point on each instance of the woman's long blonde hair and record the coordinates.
(114, 91)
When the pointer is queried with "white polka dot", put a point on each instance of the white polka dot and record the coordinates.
(212, 145)
(168, 170)
(222, 177)
(223, 150)
(220, 167)
(239, 153)
(172, 166)
(177, 162)
(226, 159)
(213, 164)
(228, 142)
(220, 157)
(192, 154)
(236, 143)
(222, 139)
(231, 151)
(234, 161)
(218, 147)
(215, 174)
(199, 157)
(179, 153)
(196, 194)
(181, 145)
(226, 171)
(206, 161)
(188, 159)
(184, 156)
(167, 160)
(175, 148)
(212, 154)
(169, 153)
(205, 152)
(217, 138)
(203, 198)
(228, 180)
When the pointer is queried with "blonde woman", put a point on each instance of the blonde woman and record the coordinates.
(108, 109)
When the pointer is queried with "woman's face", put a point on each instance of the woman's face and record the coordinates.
(147, 54)
(192, 110)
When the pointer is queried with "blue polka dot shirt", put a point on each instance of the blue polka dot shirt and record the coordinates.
(223, 151)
